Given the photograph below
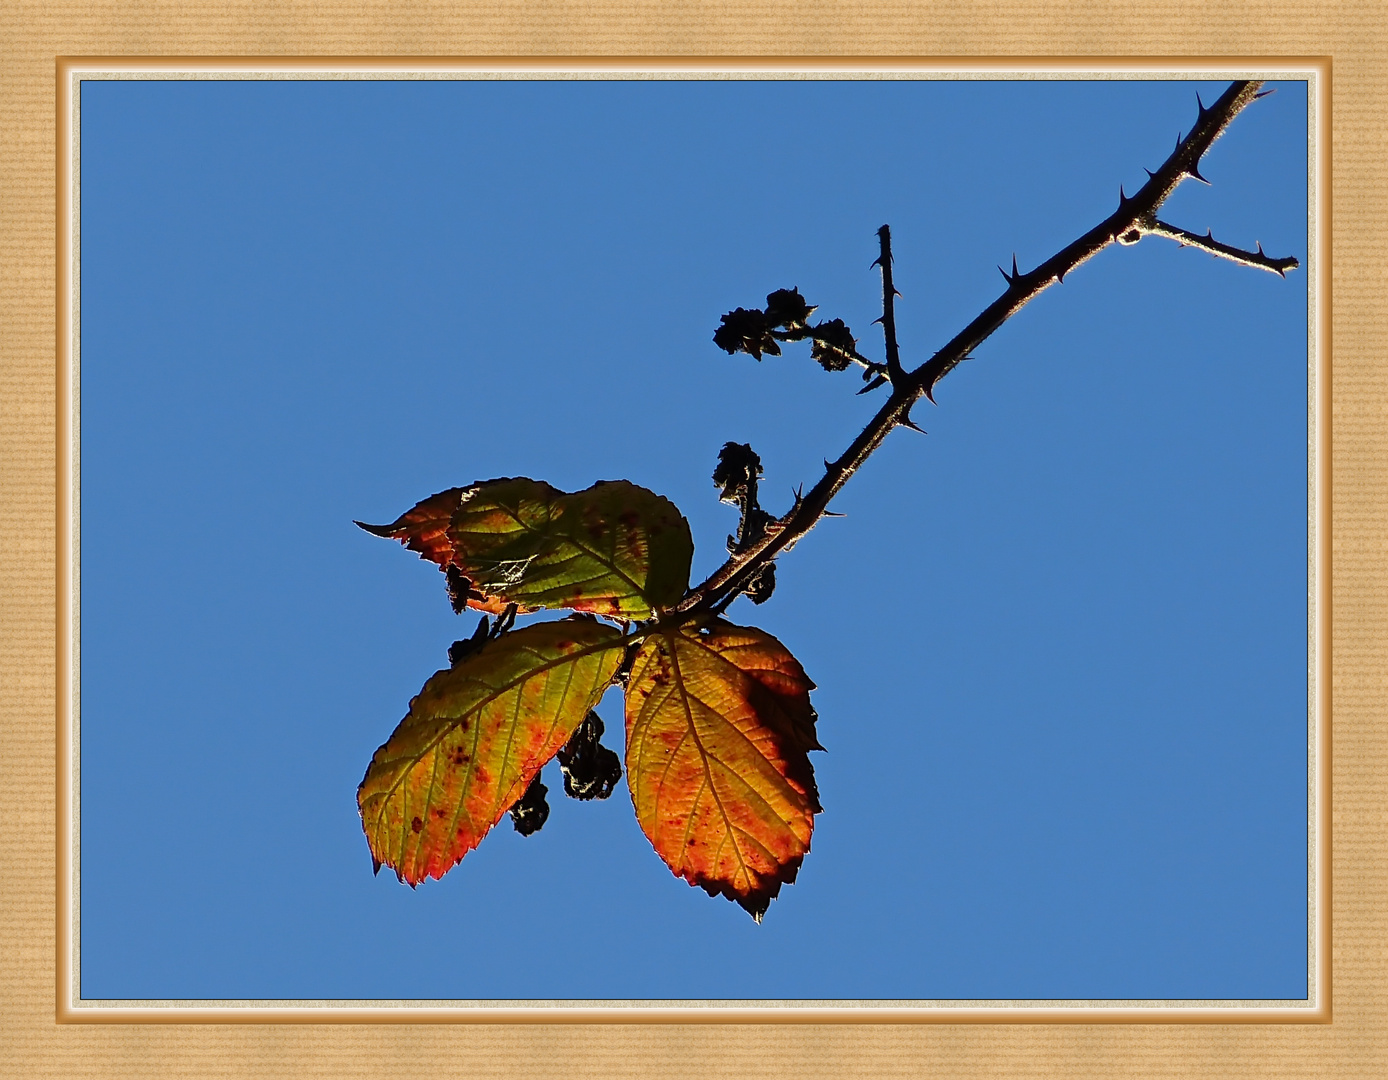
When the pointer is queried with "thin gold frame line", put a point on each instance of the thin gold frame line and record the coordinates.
(69, 75)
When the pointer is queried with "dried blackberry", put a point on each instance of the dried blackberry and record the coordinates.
(532, 811)
(590, 769)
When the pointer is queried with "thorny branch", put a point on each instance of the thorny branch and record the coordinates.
(1257, 259)
(1135, 217)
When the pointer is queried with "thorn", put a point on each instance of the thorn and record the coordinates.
(872, 385)
(1015, 274)
(831, 513)
(896, 291)
(1122, 197)
(1148, 171)
(1260, 249)
(1209, 234)
(1060, 277)
(909, 423)
(827, 466)
(1178, 140)
(1264, 93)
(875, 262)
(1200, 103)
(1194, 172)
(877, 320)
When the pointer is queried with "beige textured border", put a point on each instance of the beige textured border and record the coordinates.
(72, 1007)
(32, 35)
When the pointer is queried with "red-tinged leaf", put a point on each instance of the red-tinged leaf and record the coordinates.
(719, 723)
(613, 549)
(475, 737)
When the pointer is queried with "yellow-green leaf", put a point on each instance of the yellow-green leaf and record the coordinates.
(475, 737)
(719, 723)
(612, 549)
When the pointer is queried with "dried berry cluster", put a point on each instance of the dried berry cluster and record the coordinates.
(736, 475)
(591, 771)
(786, 318)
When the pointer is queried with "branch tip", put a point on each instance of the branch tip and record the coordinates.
(1259, 259)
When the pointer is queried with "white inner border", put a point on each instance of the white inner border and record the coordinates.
(70, 1004)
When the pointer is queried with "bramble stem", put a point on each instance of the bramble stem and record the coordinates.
(1135, 217)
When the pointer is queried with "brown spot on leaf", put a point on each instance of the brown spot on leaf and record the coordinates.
(417, 825)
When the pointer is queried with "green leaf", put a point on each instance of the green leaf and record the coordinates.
(613, 549)
(474, 739)
(719, 725)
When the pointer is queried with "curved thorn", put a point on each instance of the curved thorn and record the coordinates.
(1122, 197)
(1148, 171)
(1015, 276)
(1194, 172)
(1200, 104)
(909, 423)
(1264, 93)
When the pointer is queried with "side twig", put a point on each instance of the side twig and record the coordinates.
(1134, 218)
(1257, 259)
(889, 294)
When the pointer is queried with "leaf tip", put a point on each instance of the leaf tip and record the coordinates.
(755, 906)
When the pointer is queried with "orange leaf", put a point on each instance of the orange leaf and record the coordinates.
(719, 723)
(475, 737)
(613, 549)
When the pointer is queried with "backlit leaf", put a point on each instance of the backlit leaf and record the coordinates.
(719, 723)
(474, 739)
(612, 549)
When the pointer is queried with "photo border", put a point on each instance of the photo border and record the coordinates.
(72, 71)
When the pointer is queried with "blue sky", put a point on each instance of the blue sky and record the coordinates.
(1060, 641)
